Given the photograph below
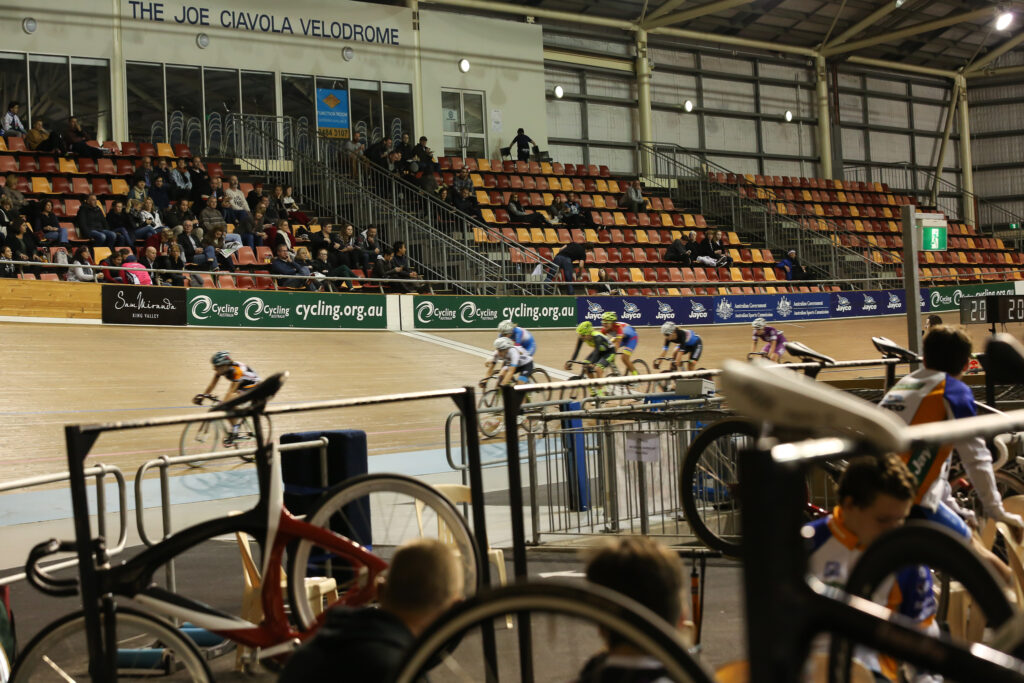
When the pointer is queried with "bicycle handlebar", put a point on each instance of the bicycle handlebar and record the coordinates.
(38, 577)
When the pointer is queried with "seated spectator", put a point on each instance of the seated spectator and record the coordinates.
(122, 222)
(115, 259)
(348, 251)
(139, 192)
(641, 569)
(291, 207)
(158, 193)
(285, 265)
(371, 247)
(354, 146)
(48, 226)
(181, 182)
(211, 217)
(163, 170)
(323, 265)
(467, 204)
(275, 204)
(236, 198)
(175, 216)
(329, 240)
(259, 226)
(633, 198)
(22, 242)
(606, 284)
(146, 173)
(216, 251)
(7, 215)
(201, 186)
(149, 220)
(718, 248)
(77, 139)
(378, 152)
(574, 215)
(404, 147)
(680, 251)
(42, 140)
(92, 225)
(254, 196)
(10, 124)
(18, 202)
(462, 181)
(394, 265)
(444, 195)
(190, 241)
(281, 234)
(520, 215)
(424, 155)
(161, 240)
(710, 253)
(148, 259)
(423, 582)
(7, 268)
(79, 271)
(172, 260)
(792, 267)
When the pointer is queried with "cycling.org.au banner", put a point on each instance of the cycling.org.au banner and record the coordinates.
(648, 311)
(948, 298)
(241, 308)
(884, 302)
(481, 312)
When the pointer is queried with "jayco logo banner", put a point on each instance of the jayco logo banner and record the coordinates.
(648, 311)
(467, 312)
(884, 302)
(241, 308)
(141, 305)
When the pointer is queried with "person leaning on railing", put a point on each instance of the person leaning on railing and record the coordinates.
(80, 270)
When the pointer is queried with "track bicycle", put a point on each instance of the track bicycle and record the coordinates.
(491, 405)
(205, 437)
(104, 640)
(613, 370)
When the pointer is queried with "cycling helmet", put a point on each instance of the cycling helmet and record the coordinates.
(585, 329)
(758, 323)
(609, 317)
(668, 328)
(503, 343)
(221, 358)
(506, 327)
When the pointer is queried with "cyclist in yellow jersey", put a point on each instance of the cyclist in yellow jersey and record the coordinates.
(239, 376)
(601, 357)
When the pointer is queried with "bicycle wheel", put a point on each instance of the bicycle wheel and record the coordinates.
(247, 439)
(527, 424)
(562, 620)
(201, 437)
(1007, 483)
(709, 481)
(541, 376)
(492, 421)
(147, 647)
(379, 512)
(642, 369)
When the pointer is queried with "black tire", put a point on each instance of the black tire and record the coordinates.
(643, 369)
(541, 376)
(201, 437)
(919, 543)
(490, 423)
(60, 649)
(712, 456)
(611, 610)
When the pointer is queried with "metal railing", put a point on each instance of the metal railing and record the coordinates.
(331, 184)
(692, 177)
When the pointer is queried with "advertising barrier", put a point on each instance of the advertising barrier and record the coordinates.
(142, 305)
(737, 309)
(647, 311)
(478, 312)
(948, 298)
(241, 308)
(884, 302)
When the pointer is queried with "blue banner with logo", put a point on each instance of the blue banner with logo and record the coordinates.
(884, 302)
(647, 311)
(738, 309)
(332, 112)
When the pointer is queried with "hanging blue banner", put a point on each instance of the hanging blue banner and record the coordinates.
(332, 112)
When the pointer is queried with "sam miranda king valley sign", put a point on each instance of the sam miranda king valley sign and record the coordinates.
(137, 305)
(231, 308)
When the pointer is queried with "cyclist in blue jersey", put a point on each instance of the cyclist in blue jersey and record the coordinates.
(686, 341)
(515, 362)
(624, 336)
(520, 335)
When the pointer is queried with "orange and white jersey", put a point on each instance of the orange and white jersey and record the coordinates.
(241, 374)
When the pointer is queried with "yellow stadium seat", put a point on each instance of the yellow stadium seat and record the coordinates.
(118, 186)
(641, 237)
(769, 274)
(545, 168)
(780, 207)
(735, 255)
(67, 165)
(488, 216)
(688, 221)
(565, 185)
(818, 210)
(231, 227)
(599, 202)
(676, 234)
(602, 186)
(666, 220)
(549, 198)
(3, 148)
(770, 290)
(929, 257)
(41, 186)
(636, 274)
(841, 196)
(590, 235)
(315, 228)
(806, 194)
(755, 256)
(163, 149)
(523, 235)
(734, 238)
(620, 218)
(100, 253)
(593, 274)
(537, 235)
(550, 236)
(886, 212)
(749, 177)
(672, 291)
(736, 274)
(483, 164)
(477, 179)
(482, 198)
(479, 235)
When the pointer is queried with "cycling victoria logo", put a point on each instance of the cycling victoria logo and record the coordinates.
(442, 312)
(203, 307)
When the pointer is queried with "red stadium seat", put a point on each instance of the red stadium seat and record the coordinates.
(130, 149)
(26, 164)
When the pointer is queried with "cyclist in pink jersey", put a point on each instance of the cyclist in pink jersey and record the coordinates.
(775, 341)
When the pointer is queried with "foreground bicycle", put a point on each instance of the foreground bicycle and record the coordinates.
(107, 641)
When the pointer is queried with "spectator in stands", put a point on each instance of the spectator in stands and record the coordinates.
(522, 142)
(78, 138)
(22, 242)
(7, 269)
(237, 198)
(285, 265)
(217, 189)
(216, 252)
(378, 152)
(175, 216)
(181, 181)
(7, 215)
(80, 272)
(383, 270)
(138, 191)
(574, 215)
(462, 181)
(467, 204)
(792, 267)
(172, 260)
(606, 284)
(328, 239)
(347, 247)
(518, 214)
(564, 260)
(558, 210)
(10, 123)
(200, 181)
(148, 219)
(163, 170)
(279, 234)
(254, 196)
(92, 225)
(148, 260)
(642, 569)
(354, 145)
(211, 217)
(404, 147)
(706, 255)
(18, 202)
(370, 245)
(444, 194)
(424, 155)
(322, 265)
(680, 251)
(633, 198)
(932, 321)
(158, 193)
(190, 241)
(48, 225)
(121, 221)
(423, 582)
(403, 269)
(145, 172)
(718, 248)
(291, 207)
(161, 241)
(275, 204)
(42, 140)
(115, 259)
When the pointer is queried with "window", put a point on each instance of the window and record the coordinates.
(297, 100)
(14, 81)
(50, 90)
(258, 93)
(145, 85)
(397, 109)
(220, 86)
(90, 95)
(462, 112)
(185, 106)
(365, 110)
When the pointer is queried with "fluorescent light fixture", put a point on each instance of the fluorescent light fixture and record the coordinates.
(899, 3)
(559, 92)
(464, 65)
(1004, 21)
(688, 105)
(789, 115)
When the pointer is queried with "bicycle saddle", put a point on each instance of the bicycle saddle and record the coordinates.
(890, 349)
(262, 392)
(807, 354)
(790, 400)
(1004, 359)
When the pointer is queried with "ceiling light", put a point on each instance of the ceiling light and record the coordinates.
(559, 92)
(789, 115)
(29, 25)
(688, 105)
(899, 3)
(347, 53)
(202, 41)
(1004, 21)
(464, 65)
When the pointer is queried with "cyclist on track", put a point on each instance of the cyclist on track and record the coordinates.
(625, 337)
(514, 361)
(686, 341)
(520, 335)
(775, 341)
(239, 376)
(601, 357)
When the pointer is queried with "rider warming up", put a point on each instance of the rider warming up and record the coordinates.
(775, 344)
(686, 341)
(239, 376)
(600, 358)
(625, 337)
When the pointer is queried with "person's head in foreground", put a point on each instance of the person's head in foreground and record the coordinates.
(948, 349)
(875, 495)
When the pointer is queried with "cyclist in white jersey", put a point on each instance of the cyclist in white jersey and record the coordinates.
(515, 362)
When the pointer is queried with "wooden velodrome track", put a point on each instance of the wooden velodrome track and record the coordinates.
(66, 374)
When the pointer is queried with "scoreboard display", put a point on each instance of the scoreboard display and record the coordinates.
(989, 310)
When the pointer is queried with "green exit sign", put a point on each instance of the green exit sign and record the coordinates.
(1013, 226)
(933, 238)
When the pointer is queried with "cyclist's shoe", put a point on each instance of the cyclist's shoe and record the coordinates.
(232, 438)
